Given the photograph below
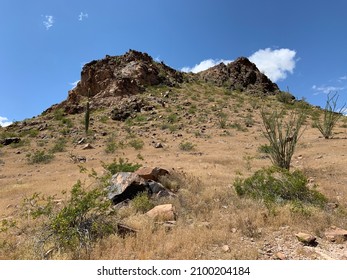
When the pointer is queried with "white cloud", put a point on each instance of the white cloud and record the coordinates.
(275, 64)
(326, 89)
(343, 78)
(82, 16)
(203, 65)
(48, 21)
(4, 122)
(74, 84)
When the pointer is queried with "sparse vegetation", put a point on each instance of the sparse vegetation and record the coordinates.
(186, 146)
(285, 97)
(39, 157)
(137, 144)
(282, 136)
(142, 203)
(122, 165)
(278, 185)
(59, 146)
(330, 116)
(84, 218)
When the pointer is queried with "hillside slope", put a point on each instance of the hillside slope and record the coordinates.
(206, 129)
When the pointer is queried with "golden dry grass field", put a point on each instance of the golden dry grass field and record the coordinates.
(209, 137)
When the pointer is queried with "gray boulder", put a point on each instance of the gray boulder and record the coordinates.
(125, 185)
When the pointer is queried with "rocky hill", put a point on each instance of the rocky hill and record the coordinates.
(181, 140)
(241, 75)
(114, 77)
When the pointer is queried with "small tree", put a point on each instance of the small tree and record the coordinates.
(282, 135)
(330, 117)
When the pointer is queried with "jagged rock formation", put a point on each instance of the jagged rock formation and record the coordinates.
(242, 75)
(114, 77)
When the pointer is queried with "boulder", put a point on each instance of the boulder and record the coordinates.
(150, 173)
(158, 189)
(306, 238)
(164, 212)
(336, 234)
(125, 185)
(10, 140)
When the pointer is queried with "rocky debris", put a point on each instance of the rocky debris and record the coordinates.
(225, 248)
(164, 212)
(151, 173)
(335, 234)
(280, 256)
(158, 145)
(77, 158)
(125, 185)
(10, 140)
(87, 146)
(306, 239)
(241, 75)
(128, 107)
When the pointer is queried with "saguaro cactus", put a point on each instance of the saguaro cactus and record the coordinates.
(87, 114)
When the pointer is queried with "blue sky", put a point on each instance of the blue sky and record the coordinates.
(300, 44)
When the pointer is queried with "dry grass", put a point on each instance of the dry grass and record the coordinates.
(210, 214)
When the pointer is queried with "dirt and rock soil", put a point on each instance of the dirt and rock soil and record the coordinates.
(206, 130)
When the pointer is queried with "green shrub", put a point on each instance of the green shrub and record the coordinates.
(137, 144)
(186, 146)
(39, 157)
(285, 97)
(59, 146)
(142, 203)
(265, 149)
(111, 147)
(282, 136)
(84, 218)
(121, 166)
(278, 185)
(59, 114)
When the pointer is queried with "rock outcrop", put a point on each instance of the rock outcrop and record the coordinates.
(108, 81)
(113, 77)
(241, 75)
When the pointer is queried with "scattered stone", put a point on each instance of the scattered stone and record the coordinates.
(10, 140)
(335, 234)
(280, 256)
(332, 205)
(164, 212)
(150, 173)
(158, 145)
(81, 141)
(125, 185)
(77, 158)
(88, 146)
(306, 238)
(225, 248)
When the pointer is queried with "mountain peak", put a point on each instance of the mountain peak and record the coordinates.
(242, 75)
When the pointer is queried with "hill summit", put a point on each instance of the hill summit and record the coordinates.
(110, 79)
